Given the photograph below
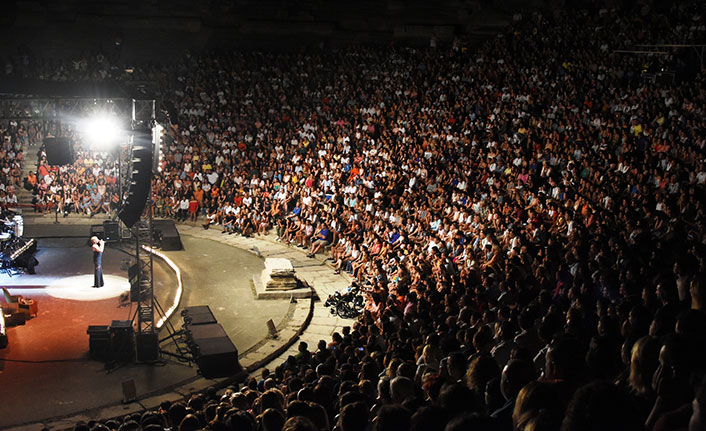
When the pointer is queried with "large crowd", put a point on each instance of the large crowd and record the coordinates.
(16, 136)
(86, 187)
(527, 219)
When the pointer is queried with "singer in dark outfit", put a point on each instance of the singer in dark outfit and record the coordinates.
(98, 245)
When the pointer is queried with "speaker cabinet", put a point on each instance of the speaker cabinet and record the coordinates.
(122, 337)
(140, 178)
(110, 231)
(167, 235)
(147, 345)
(215, 354)
(198, 315)
(96, 230)
(99, 343)
(59, 151)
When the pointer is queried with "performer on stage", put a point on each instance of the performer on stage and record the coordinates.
(98, 245)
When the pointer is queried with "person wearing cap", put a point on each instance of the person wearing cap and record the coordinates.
(97, 245)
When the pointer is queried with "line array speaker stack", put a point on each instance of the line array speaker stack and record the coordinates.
(214, 352)
(140, 178)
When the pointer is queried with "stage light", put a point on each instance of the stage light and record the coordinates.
(101, 131)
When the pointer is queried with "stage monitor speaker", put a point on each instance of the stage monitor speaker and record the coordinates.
(99, 343)
(198, 315)
(215, 354)
(147, 345)
(110, 231)
(59, 151)
(140, 178)
(122, 341)
(167, 234)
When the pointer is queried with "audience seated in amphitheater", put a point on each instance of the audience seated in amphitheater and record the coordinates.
(16, 136)
(527, 216)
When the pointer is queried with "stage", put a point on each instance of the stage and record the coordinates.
(45, 371)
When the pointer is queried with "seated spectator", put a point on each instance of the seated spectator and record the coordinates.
(515, 376)
(601, 405)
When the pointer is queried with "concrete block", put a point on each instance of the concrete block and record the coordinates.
(329, 320)
(261, 292)
(322, 311)
(246, 362)
(299, 315)
(323, 331)
(286, 333)
(255, 356)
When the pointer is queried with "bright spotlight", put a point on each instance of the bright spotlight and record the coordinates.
(100, 132)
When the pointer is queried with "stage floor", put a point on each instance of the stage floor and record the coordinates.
(45, 371)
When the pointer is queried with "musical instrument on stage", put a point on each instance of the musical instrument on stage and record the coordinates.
(16, 256)
(16, 252)
(17, 308)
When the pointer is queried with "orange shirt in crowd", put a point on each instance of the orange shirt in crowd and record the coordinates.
(198, 194)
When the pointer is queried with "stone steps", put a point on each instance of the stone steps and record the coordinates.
(24, 197)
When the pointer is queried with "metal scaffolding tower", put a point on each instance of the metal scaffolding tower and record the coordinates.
(143, 115)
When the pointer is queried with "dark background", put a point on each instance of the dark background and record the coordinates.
(158, 29)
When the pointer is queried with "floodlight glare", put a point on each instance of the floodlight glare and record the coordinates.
(101, 131)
